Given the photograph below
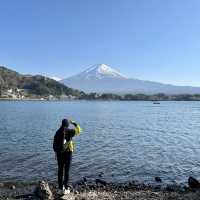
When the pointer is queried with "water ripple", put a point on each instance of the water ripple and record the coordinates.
(124, 140)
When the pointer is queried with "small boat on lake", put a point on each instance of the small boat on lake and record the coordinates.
(156, 102)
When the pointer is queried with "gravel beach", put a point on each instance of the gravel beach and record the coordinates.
(102, 191)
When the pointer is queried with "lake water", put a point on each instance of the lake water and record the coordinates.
(124, 140)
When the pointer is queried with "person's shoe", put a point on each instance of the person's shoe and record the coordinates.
(60, 192)
(66, 191)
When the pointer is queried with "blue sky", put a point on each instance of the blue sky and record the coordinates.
(156, 40)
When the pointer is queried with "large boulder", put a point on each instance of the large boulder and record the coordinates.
(193, 183)
(43, 191)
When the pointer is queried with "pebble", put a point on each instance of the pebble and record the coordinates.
(12, 187)
(1, 185)
(76, 192)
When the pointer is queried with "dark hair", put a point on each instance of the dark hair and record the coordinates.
(65, 123)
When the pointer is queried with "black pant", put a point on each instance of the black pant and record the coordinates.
(64, 161)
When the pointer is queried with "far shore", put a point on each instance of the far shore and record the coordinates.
(114, 100)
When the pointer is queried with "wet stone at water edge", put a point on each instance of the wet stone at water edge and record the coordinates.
(43, 191)
(158, 179)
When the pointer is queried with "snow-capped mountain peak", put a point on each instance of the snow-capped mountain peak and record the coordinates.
(100, 71)
(103, 79)
(56, 78)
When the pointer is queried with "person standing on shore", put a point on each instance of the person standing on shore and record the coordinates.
(63, 147)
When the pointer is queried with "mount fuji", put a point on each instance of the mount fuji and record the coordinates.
(103, 79)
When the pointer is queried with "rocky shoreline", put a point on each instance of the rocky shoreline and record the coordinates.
(85, 190)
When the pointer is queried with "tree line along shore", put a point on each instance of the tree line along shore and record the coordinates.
(15, 95)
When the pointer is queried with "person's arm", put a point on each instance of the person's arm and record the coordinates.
(77, 128)
(55, 146)
(55, 143)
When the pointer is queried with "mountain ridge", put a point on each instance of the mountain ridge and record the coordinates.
(102, 78)
(16, 85)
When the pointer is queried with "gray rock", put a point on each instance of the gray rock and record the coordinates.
(101, 182)
(158, 179)
(84, 179)
(76, 192)
(43, 191)
(1, 184)
(193, 183)
(12, 187)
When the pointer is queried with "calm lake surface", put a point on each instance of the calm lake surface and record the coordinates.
(124, 140)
